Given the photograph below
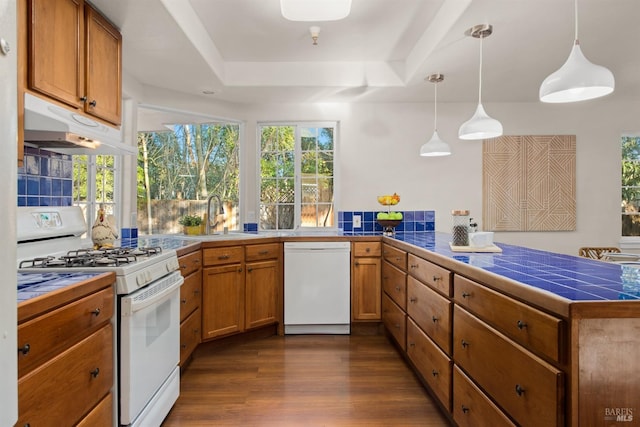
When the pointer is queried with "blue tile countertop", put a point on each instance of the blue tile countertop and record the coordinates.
(32, 285)
(567, 276)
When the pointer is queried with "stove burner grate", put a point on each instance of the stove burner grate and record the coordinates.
(92, 258)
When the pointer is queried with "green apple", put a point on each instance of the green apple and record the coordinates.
(397, 215)
(383, 215)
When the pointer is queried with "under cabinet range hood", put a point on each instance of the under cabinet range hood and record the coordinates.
(57, 129)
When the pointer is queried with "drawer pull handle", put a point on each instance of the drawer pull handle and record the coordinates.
(183, 346)
(465, 295)
(367, 250)
(413, 299)
(434, 318)
(96, 312)
(413, 266)
(250, 269)
(223, 257)
(398, 288)
(398, 258)
(521, 325)
(263, 252)
(196, 261)
(25, 349)
(465, 344)
(397, 325)
(196, 292)
(434, 373)
(182, 266)
(412, 344)
(184, 301)
(465, 409)
(519, 390)
(436, 278)
(95, 372)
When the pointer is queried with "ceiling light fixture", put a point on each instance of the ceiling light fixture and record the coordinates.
(315, 33)
(480, 126)
(578, 79)
(315, 10)
(435, 147)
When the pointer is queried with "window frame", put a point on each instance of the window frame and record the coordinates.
(627, 242)
(298, 125)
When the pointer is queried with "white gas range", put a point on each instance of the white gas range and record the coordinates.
(148, 287)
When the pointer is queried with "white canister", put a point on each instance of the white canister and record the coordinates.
(481, 239)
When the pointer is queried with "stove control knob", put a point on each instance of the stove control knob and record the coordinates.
(140, 279)
(148, 276)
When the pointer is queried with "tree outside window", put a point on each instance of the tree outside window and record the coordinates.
(630, 186)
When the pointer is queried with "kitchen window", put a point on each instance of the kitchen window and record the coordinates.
(94, 184)
(630, 204)
(297, 177)
(178, 169)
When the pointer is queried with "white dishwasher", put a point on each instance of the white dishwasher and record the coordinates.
(317, 287)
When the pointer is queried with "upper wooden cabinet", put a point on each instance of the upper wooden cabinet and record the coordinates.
(75, 57)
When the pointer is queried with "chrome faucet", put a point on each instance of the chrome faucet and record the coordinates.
(220, 212)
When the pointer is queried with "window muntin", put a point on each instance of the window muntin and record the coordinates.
(94, 184)
(296, 176)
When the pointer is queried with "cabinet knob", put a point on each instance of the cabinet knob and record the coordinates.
(24, 349)
(182, 266)
(196, 261)
(83, 98)
(434, 318)
(412, 344)
(249, 270)
(223, 257)
(184, 301)
(183, 346)
(413, 299)
(466, 295)
(436, 278)
(413, 266)
(521, 324)
(397, 325)
(465, 344)
(367, 250)
(434, 373)
(356, 263)
(263, 252)
(519, 390)
(93, 103)
(464, 409)
(96, 312)
(95, 372)
(398, 288)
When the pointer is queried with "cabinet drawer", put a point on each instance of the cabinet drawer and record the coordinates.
(260, 252)
(190, 294)
(394, 320)
(536, 330)
(45, 336)
(219, 256)
(395, 256)
(189, 335)
(471, 408)
(190, 263)
(434, 366)
(394, 283)
(430, 274)
(431, 312)
(366, 249)
(70, 385)
(528, 388)
(101, 415)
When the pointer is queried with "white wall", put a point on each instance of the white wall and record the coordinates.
(379, 146)
(8, 175)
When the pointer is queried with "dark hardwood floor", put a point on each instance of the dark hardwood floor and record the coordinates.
(303, 380)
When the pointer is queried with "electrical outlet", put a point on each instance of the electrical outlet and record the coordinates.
(357, 221)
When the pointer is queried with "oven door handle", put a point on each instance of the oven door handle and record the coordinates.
(149, 296)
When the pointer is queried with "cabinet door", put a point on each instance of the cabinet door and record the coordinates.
(103, 68)
(222, 301)
(261, 287)
(395, 320)
(189, 335)
(366, 289)
(55, 56)
(394, 283)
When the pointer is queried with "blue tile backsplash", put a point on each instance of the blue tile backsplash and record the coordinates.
(46, 179)
(412, 221)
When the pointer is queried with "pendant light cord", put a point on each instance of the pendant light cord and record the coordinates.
(576, 18)
(480, 73)
(435, 108)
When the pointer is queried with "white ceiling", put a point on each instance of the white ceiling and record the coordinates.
(246, 52)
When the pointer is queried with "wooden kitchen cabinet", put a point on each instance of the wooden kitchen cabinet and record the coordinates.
(431, 312)
(190, 302)
(395, 321)
(222, 300)
(262, 293)
(74, 56)
(366, 281)
(66, 355)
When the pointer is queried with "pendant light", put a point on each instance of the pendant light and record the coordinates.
(435, 147)
(578, 79)
(480, 126)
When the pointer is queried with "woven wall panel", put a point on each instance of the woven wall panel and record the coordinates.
(528, 183)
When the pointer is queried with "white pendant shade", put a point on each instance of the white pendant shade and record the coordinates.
(480, 126)
(435, 147)
(315, 10)
(577, 80)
